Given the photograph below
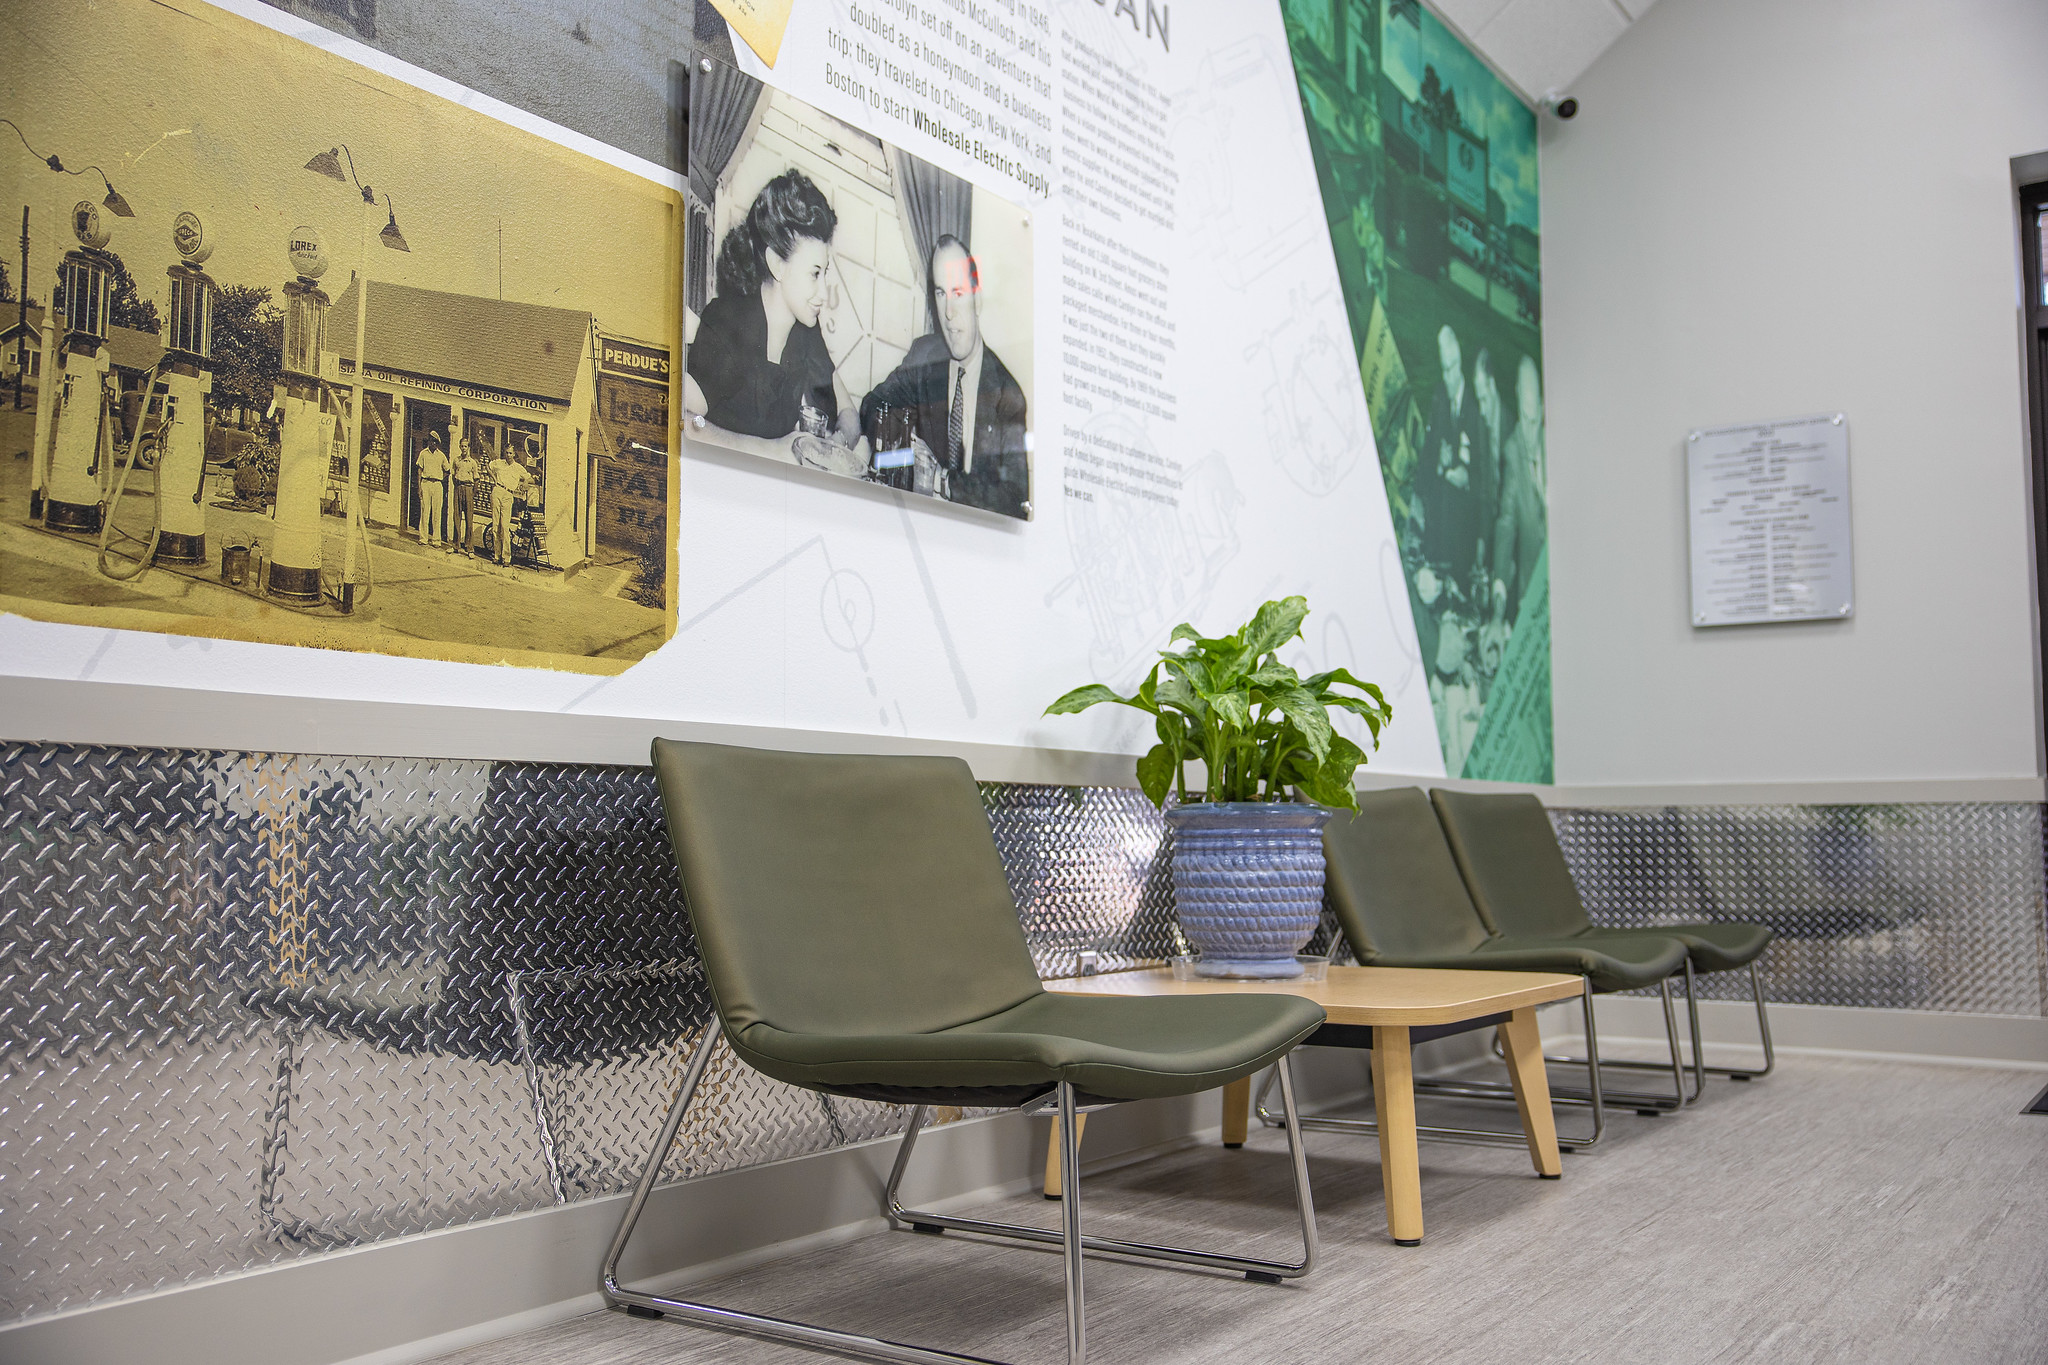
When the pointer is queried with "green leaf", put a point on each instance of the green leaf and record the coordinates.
(1320, 682)
(1275, 674)
(1301, 707)
(1374, 716)
(1190, 669)
(1175, 692)
(1232, 708)
(1081, 698)
(1205, 644)
(1274, 625)
(1155, 773)
(1344, 753)
(1329, 783)
(1325, 788)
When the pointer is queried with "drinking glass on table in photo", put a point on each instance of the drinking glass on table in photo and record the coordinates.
(759, 357)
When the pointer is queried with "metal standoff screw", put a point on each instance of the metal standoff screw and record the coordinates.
(1693, 437)
(1845, 608)
(1837, 420)
(1026, 508)
(1700, 619)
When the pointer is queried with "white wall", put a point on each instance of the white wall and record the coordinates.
(1770, 208)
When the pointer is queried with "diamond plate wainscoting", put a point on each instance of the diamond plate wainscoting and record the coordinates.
(255, 1006)
(1913, 907)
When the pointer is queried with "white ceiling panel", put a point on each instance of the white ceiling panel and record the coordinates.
(1468, 16)
(1540, 45)
(1545, 44)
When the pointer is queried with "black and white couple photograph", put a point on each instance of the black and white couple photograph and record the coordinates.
(851, 307)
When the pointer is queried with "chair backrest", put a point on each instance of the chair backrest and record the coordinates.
(842, 894)
(1393, 882)
(1508, 853)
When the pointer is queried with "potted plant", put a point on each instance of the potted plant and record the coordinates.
(1248, 845)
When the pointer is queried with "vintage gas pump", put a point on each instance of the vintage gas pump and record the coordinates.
(186, 381)
(305, 440)
(49, 396)
(81, 444)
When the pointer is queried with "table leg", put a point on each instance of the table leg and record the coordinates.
(1393, 1102)
(1052, 1153)
(1523, 1044)
(1237, 1111)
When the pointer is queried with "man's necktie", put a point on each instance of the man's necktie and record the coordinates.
(955, 421)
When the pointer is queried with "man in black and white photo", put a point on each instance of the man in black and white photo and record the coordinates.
(967, 410)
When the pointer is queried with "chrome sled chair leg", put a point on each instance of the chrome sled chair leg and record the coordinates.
(1070, 1238)
(1250, 1268)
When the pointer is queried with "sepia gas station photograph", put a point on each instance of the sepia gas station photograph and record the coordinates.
(211, 270)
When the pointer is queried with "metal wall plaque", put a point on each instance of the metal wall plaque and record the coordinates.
(1770, 522)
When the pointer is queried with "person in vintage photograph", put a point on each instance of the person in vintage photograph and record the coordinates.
(433, 490)
(508, 485)
(1521, 526)
(1447, 477)
(462, 477)
(1486, 392)
(758, 369)
(967, 410)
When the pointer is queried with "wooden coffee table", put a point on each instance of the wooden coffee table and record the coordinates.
(1391, 1002)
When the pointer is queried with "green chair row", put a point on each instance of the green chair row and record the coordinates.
(1455, 879)
(859, 938)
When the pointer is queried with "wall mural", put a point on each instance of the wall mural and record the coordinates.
(1427, 164)
(1130, 181)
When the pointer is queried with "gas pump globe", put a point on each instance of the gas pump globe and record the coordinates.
(305, 437)
(192, 292)
(305, 308)
(186, 381)
(87, 277)
(80, 441)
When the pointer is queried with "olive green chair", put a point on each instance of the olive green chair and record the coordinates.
(1508, 855)
(859, 939)
(1397, 894)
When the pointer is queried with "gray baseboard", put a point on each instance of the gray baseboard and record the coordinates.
(1915, 1035)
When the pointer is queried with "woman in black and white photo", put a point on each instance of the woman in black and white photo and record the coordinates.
(758, 371)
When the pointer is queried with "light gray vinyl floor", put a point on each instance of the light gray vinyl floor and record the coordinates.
(1839, 1211)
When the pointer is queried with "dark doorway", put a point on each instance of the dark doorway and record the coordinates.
(420, 418)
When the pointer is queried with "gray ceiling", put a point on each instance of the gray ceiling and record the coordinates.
(1541, 45)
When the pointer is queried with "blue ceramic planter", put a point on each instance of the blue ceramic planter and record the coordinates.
(1248, 883)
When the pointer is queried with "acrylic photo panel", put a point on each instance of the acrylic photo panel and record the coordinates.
(852, 308)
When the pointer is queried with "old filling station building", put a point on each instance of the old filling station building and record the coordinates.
(517, 378)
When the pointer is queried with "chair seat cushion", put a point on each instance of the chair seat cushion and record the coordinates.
(1112, 1047)
(1614, 965)
(1715, 946)
(1617, 966)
